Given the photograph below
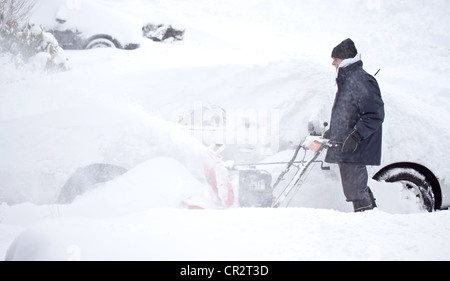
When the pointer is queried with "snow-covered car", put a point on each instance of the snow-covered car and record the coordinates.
(116, 144)
(87, 24)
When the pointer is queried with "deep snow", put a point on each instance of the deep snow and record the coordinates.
(252, 58)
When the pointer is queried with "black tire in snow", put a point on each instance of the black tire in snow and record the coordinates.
(416, 178)
(102, 41)
(86, 178)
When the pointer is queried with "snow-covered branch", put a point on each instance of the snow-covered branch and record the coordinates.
(16, 12)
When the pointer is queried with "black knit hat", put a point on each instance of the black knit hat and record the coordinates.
(345, 50)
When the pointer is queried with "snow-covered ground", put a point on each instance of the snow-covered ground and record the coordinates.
(267, 62)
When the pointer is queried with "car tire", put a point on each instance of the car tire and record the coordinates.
(102, 41)
(414, 180)
(86, 178)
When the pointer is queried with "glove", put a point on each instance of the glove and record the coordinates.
(351, 142)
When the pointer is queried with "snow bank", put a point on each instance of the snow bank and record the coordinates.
(158, 182)
(238, 234)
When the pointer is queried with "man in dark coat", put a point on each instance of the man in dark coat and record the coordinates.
(356, 125)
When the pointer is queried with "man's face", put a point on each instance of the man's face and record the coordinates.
(336, 62)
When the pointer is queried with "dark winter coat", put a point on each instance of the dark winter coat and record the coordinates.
(357, 105)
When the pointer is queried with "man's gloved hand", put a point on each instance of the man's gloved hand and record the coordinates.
(351, 142)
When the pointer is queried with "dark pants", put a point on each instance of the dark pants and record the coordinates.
(354, 181)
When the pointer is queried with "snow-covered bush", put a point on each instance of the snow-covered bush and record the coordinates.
(28, 44)
(32, 45)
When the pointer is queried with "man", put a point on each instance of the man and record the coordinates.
(356, 125)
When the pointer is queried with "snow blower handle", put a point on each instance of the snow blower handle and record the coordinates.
(325, 135)
(288, 166)
(325, 125)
